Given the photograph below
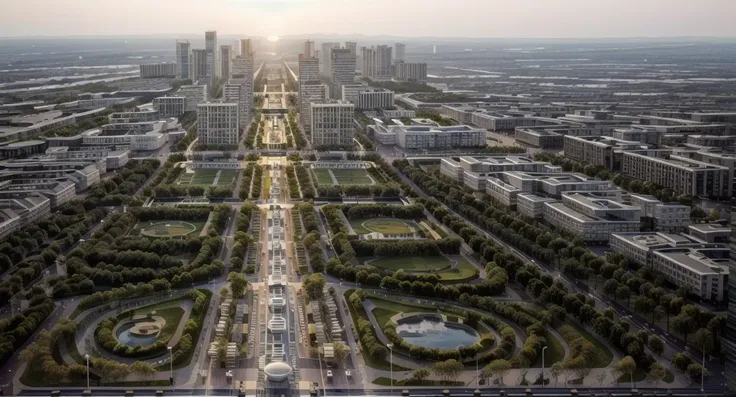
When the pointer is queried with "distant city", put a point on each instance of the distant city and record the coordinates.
(355, 215)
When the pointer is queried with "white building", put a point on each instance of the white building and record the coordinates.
(182, 59)
(350, 92)
(447, 137)
(83, 173)
(332, 123)
(665, 217)
(137, 136)
(170, 106)
(194, 94)
(309, 94)
(16, 213)
(134, 117)
(218, 123)
(325, 66)
(164, 69)
(242, 76)
(531, 205)
(58, 192)
(502, 192)
(473, 171)
(375, 99)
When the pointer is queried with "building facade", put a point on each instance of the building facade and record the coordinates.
(194, 95)
(198, 66)
(226, 55)
(164, 69)
(400, 52)
(343, 69)
(170, 106)
(411, 71)
(182, 59)
(210, 47)
(332, 123)
(375, 99)
(218, 123)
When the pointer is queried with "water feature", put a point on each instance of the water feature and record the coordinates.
(126, 337)
(434, 333)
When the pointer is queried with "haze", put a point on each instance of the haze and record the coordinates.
(451, 18)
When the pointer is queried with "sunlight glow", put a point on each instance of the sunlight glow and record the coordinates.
(273, 38)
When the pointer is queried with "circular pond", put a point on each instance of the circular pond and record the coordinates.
(433, 333)
(127, 337)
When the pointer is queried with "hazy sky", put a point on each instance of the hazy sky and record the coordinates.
(459, 18)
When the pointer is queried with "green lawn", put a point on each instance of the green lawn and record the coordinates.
(198, 226)
(384, 226)
(555, 352)
(206, 177)
(322, 176)
(464, 270)
(352, 176)
(412, 263)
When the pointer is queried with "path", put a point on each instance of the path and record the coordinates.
(332, 176)
(217, 178)
(368, 306)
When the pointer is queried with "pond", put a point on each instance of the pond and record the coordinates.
(129, 339)
(434, 333)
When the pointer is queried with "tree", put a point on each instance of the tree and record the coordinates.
(704, 340)
(313, 285)
(500, 368)
(657, 372)
(523, 370)
(555, 371)
(448, 370)
(601, 377)
(656, 344)
(238, 284)
(143, 369)
(625, 366)
(419, 375)
(341, 351)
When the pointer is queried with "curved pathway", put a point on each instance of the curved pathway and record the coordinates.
(87, 333)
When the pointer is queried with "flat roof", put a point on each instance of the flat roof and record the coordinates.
(687, 258)
(710, 228)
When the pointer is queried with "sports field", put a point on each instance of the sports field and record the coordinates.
(341, 176)
(171, 228)
(222, 178)
(383, 225)
(454, 268)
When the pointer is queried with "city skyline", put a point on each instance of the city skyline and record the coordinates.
(520, 19)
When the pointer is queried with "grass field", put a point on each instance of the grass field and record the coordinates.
(412, 263)
(463, 270)
(604, 356)
(176, 228)
(204, 177)
(343, 176)
(383, 225)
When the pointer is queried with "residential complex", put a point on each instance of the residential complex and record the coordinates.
(332, 123)
(218, 123)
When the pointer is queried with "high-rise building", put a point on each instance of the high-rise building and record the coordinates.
(332, 123)
(218, 123)
(369, 62)
(163, 69)
(246, 48)
(411, 71)
(353, 47)
(308, 48)
(194, 95)
(343, 69)
(240, 87)
(198, 66)
(182, 59)
(375, 99)
(400, 52)
(325, 61)
(226, 54)
(310, 88)
(383, 61)
(210, 46)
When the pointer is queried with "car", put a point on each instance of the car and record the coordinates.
(348, 374)
(329, 374)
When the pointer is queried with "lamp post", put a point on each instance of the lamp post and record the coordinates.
(543, 349)
(477, 374)
(702, 371)
(391, 363)
(86, 356)
(171, 365)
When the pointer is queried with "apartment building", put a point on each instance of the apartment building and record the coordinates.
(218, 123)
(163, 69)
(198, 67)
(170, 106)
(332, 123)
(411, 71)
(375, 99)
(194, 94)
(662, 217)
(242, 77)
(591, 217)
(182, 59)
(683, 175)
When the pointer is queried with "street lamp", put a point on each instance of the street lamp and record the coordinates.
(171, 365)
(86, 356)
(391, 363)
(477, 375)
(543, 349)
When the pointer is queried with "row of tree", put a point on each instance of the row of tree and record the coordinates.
(367, 211)
(121, 188)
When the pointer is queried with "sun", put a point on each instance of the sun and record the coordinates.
(273, 38)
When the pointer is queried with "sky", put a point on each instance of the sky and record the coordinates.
(408, 18)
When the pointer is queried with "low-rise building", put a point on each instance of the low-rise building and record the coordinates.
(133, 117)
(662, 217)
(591, 217)
(541, 138)
(598, 150)
(23, 149)
(114, 159)
(683, 175)
(473, 171)
(710, 233)
(375, 99)
(502, 192)
(18, 212)
(163, 69)
(446, 137)
(58, 192)
(82, 173)
(531, 205)
(194, 94)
